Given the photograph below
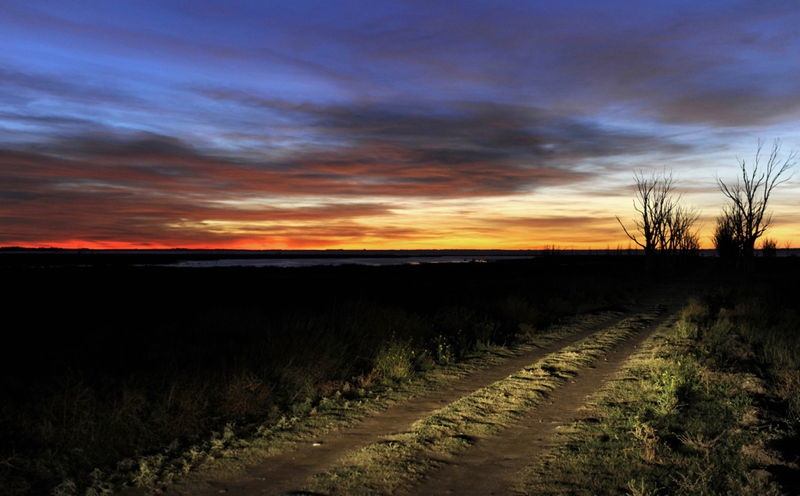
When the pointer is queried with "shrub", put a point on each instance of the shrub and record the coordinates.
(442, 350)
(769, 248)
(726, 240)
(395, 362)
(246, 395)
(695, 313)
(787, 388)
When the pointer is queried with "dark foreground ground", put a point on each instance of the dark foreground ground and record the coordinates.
(103, 364)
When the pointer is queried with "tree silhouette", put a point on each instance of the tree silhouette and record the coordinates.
(727, 238)
(745, 218)
(662, 225)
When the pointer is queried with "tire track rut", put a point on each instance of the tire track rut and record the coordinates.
(289, 471)
(492, 465)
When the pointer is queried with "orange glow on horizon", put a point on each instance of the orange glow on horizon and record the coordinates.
(300, 244)
(561, 218)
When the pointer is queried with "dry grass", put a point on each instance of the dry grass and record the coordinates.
(668, 424)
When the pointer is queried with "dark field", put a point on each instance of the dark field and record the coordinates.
(110, 363)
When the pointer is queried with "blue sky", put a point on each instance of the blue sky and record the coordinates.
(367, 124)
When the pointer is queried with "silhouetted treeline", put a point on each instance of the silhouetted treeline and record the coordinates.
(663, 226)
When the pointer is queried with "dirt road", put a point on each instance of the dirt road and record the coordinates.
(485, 463)
(492, 465)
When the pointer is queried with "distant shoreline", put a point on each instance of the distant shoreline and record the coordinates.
(189, 258)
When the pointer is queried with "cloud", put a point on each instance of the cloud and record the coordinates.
(97, 213)
(458, 133)
(739, 106)
(446, 151)
(146, 186)
(21, 86)
(719, 63)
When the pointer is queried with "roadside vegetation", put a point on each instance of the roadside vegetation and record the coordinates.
(709, 406)
(149, 372)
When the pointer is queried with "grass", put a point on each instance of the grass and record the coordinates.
(143, 374)
(686, 416)
(399, 460)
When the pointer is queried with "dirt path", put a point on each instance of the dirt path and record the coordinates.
(288, 471)
(491, 466)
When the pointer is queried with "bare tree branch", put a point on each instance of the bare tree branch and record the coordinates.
(661, 225)
(746, 216)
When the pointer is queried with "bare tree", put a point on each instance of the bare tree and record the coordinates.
(649, 203)
(683, 237)
(746, 216)
(661, 225)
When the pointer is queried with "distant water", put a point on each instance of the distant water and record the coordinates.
(334, 261)
(19, 257)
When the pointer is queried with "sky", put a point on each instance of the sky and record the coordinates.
(419, 124)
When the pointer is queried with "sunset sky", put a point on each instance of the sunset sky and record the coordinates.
(338, 124)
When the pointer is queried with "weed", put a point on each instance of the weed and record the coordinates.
(648, 439)
(639, 488)
(395, 362)
(443, 350)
